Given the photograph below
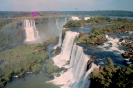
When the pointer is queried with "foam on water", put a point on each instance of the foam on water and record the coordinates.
(112, 44)
(130, 32)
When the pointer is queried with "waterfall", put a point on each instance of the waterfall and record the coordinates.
(60, 37)
(60, 29)
(61, 59)
(65, 20)
(30, 29)
(77, 75)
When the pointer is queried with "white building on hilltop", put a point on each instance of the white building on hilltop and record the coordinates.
(86, 18)
(75, 18)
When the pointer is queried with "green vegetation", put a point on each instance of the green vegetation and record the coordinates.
(4, 21)
(97, 33)
(97, 19)
(109, 76)
(94, 37)
(57, 51)
(36, 68)
(25, 58)
(93, 20)
(53, 40)
(121, 28)
(73, 23)
(48, 68)
(21, 59)
(40, 48)
(49, 61)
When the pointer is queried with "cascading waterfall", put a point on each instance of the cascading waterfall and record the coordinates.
(77, 75)
(61, 59)
(30, 29)
(60, 29)
(65, 20)
(60, 37)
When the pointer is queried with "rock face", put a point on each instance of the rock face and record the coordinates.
(130, 45)
(96, 70)
(127, 53)
(101, 41)
(120, 40)
(124, 43)
(127, 41)
(95, 56)
(89, 62)
(131, 58)
(57, 51)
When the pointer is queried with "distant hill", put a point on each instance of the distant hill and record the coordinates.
(13, 14)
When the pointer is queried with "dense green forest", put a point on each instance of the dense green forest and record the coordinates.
(110, 76)
(97, 19)
(26, 58)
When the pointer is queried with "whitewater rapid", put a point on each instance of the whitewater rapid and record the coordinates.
(112, 44)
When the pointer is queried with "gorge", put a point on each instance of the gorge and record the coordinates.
(73, 70)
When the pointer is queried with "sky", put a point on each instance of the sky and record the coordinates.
(65, 5)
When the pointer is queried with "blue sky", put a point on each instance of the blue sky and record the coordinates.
(65, 5)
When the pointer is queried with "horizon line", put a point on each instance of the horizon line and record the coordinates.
(62, 10)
